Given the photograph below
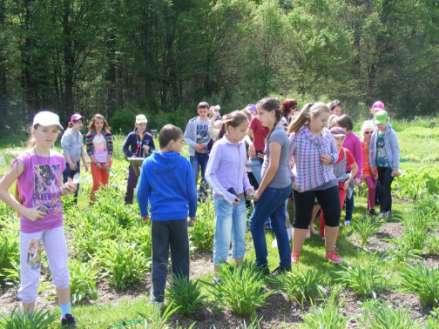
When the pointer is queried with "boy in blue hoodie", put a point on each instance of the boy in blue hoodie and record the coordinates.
(167, 184)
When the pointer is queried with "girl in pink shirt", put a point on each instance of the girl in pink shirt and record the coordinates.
(38, 173)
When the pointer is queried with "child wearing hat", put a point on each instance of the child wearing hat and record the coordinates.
(384, 159)
(139, 143)
(344, 162)
(38, 173)
(72, 145)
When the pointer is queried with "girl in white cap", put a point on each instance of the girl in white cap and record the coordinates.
(139, 143)
(39, 176)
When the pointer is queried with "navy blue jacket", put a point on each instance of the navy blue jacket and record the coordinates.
(133, 145)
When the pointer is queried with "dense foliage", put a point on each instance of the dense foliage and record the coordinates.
(161, 57)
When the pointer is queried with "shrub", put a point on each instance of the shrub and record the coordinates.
(125, 265)
(240, 289)
(8, 258)
(186, 295)
(433, 320)
(423, 282)
(327, 316)
(377, 315)
(201, 234)
(301, 286)
(83, 279)
(365, 228)
(38, 319)
(363, 280)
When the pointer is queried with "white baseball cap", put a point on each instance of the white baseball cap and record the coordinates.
(141, 118)
(46, 118)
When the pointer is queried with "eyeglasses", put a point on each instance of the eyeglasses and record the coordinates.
(368, 132)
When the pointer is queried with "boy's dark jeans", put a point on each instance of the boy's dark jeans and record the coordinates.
(165, 234)
(68, 173)
(385, 191)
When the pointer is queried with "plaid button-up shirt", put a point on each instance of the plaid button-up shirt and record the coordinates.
(305, 150)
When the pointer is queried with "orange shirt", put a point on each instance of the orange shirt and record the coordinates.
(366, 166)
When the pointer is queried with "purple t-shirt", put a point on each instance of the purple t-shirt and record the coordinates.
(40, 186)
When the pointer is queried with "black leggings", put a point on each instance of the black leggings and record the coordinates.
(385, 190)
(328, 200)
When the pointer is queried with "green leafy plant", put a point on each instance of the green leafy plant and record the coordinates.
(433, 319)
(83, 279)
(301, 286)
(240, 289)
(365, 228)
(423, 282)
(364, 280)
(8, 259)
(186, 295)
(39, 319)
(201, 234)
(125, 264)
(327, 316)
(378, 315)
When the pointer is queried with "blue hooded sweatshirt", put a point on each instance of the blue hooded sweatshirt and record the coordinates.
(167, 184)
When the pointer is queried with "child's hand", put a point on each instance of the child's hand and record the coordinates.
(33, 214)
(69, 186)
(396, 173)
(326, 159)
(251, 151)
(257, 195)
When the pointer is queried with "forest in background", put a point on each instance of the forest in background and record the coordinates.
(160, 57)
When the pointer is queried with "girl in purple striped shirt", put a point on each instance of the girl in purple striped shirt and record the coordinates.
(313, 152)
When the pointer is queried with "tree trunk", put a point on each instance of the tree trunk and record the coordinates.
(69, 59)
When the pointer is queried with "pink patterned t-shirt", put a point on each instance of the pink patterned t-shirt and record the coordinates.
(40, 186)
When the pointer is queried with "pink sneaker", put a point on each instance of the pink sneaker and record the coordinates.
(333, 258)
(295, 258)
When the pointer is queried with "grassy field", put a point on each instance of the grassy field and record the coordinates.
(390, 278)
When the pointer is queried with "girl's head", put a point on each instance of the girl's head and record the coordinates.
(345, 121)
(268, 111)
(289, 106)
(45, 130)
(171, 138)
(339, 134)
(335, 107)
(141, 122)
(98, 124)
(367, 129)
(377, 106)
(235, 126)
(313, 115)
(75, 121)
(381, 118)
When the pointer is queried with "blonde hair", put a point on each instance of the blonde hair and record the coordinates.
(368, 124)
(309, 111)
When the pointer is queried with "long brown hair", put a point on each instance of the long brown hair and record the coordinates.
(92, 127)
(310, 110)
(233, 119)
(270, 104)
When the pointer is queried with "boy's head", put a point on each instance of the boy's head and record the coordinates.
(203, 109)
(171, 138)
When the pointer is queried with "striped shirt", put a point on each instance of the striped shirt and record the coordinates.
(305, 151)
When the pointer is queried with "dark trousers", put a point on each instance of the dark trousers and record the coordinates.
(69, 173)
(199, 163)
(165, 234)
(131, 185)
(385, 190)
(329, 201)
(349, 207)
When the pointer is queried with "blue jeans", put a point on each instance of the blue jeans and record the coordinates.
(199, 162)
(271, 204)
(256, 166)
(230, 224)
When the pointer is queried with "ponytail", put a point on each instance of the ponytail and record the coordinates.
(308, 111)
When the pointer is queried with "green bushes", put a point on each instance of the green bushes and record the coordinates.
(8, 258)
(83, 279)
(186, 295)
(423, 282)
(365, 228)
(201, 234)
(363, 280)
(240, 289)
(377, 315)
(38, 319)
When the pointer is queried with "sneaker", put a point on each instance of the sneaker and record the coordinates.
(68, 321)
(295, 258)
(333, 258)
(280, 270)
(263, 269)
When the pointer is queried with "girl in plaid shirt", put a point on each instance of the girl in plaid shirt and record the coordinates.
(313, 152)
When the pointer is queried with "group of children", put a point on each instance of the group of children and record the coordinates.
(270, 153)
